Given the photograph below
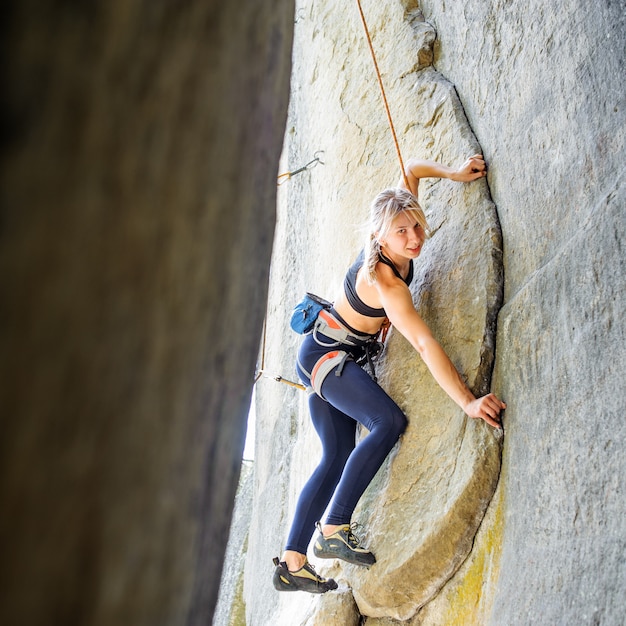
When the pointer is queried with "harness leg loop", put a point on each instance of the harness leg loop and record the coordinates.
(324, 366)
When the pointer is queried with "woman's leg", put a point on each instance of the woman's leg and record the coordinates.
(355, 394)
(337, 434)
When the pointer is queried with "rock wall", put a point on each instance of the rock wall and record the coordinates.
(549, 111)
(231, 609)
(541, 94)
(140, 143)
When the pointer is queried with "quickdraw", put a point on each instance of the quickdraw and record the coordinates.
(276, 377)
(283, 178)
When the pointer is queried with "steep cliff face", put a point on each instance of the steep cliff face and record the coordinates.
(543, 87)
(541, 94)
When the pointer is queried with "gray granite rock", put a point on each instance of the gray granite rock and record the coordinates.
(544, 88)
(541, 90)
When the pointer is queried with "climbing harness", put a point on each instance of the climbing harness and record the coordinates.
(283, 178)
(324, 366)
(330, 326)
(327, 324)
(382, 90)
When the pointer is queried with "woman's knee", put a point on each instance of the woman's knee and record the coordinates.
(399, 423)
(392, 423)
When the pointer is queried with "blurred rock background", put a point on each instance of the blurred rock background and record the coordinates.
(140, 146)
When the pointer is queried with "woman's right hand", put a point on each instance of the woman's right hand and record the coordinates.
(486, 408)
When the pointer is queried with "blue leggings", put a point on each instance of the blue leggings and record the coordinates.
(346, 469)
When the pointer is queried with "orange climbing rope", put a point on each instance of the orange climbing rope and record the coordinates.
(382, 90)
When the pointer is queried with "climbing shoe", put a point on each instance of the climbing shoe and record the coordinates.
(305, 579)
(342, 544)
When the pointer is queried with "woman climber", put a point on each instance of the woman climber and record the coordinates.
(343, 394)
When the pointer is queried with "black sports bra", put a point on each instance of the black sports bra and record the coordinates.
(349, 285)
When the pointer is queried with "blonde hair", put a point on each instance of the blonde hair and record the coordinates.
(387, 205)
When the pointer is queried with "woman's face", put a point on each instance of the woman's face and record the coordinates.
(404, 239)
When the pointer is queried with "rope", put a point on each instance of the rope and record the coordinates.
(275, 377)
(382, 90)
(260, 372)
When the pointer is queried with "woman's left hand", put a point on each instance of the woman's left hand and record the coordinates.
(486, 408)
(472, 169)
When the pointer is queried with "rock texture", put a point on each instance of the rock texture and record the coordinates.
(231, 608)
(435, 490)
(544, 89)
(140, 144)
(541, 91)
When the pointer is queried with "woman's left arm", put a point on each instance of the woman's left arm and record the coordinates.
(473, 168)
(397, 301)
